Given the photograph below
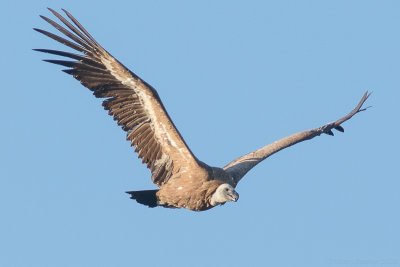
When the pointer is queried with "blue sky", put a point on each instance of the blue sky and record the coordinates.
(234, 76)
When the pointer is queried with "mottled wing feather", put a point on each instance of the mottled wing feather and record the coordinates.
(240, 166)
(133, 103)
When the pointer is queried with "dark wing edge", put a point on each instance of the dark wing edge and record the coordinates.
(240, 166)
(133, 103)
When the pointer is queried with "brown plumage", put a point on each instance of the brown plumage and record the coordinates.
(184, 181)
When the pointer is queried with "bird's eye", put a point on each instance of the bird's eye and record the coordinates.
(226, 189)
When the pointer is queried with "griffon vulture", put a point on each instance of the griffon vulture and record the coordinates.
(183, 180)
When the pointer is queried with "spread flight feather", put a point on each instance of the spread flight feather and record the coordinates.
(133, 103)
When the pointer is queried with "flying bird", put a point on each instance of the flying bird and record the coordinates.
(183, 180)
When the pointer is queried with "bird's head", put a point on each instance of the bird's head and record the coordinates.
(224, 193)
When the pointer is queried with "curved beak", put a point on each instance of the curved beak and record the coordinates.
(234, 196)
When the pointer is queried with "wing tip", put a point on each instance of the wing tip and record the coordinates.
(37, 29)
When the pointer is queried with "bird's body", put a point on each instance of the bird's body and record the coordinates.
(188, 193)
(183, 180)
(194, 191)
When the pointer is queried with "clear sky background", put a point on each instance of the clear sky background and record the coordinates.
(234, 76)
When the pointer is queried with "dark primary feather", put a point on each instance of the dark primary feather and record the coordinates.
(339, 128)
(63, 41)
(122, 101)
(329, 132)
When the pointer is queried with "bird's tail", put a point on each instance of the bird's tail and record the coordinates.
(145, 197)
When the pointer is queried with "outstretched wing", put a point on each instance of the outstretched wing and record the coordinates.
(133, 103)
(240, 166)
